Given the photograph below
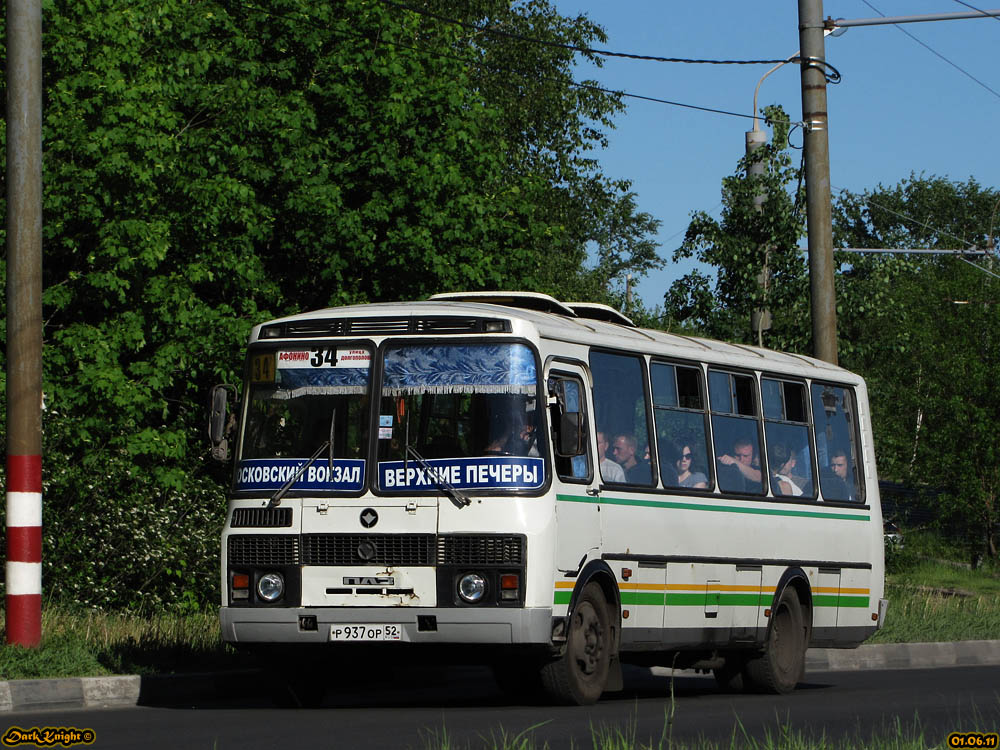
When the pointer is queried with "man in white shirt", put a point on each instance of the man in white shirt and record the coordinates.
(610, 471)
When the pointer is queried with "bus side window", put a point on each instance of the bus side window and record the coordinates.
(835, 417)
(679, 413)
(736, 431)
(786, 429)
(622, 414)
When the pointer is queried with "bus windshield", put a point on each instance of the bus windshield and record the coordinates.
(467, 415)
(300, 401)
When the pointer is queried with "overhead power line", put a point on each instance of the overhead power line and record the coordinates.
(933, 51)
(972, 252)
(978, 10)
(936, 230)
(492, 30)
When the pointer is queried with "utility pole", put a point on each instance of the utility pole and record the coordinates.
(817, 156)
(24, 323)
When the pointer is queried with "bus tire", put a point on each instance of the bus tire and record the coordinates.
(579, 676)
(782, 663)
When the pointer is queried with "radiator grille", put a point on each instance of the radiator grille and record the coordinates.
(368, 549)
(261, 518)
(261, 549)
(474, 549)
(376, 549)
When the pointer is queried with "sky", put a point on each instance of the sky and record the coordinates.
(900, 107)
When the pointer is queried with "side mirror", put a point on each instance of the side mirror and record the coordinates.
(569, 422)
(220, 425)
(571, 434)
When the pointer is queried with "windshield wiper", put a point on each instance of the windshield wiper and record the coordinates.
(458, 497)
(276, 497)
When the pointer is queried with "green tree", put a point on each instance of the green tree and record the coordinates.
(747, 241)
(922, 331)
(551, 131)
(211, 164)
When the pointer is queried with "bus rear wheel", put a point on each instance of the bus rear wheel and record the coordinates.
(779, 667)
(580, 675)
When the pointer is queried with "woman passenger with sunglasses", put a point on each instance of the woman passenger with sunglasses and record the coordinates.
(685, 477)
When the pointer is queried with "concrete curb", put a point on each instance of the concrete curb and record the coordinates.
(131, 690)
(70, 692)
(904, 656)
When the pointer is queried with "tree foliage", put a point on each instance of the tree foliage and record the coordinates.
(753, 237)
(211, 164)
(922, 331)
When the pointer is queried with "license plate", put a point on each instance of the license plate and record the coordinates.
(365, 633)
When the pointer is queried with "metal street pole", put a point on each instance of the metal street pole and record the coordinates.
(817, 157)
(844, 23)
(24, 323)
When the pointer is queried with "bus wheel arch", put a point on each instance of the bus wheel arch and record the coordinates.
(797, 578)
(587, 664)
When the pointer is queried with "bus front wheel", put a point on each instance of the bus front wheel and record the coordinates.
(580, 675)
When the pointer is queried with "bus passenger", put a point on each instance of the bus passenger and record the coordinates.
(511, 435)
(686, 477)
(839, 465)
(610, 471)
(743, 460)
(782, 459)
(636, 472)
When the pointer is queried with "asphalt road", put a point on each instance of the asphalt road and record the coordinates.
(464, 703)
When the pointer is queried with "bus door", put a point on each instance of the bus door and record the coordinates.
(575, 480)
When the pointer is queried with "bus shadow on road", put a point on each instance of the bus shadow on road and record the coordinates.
(410, 686)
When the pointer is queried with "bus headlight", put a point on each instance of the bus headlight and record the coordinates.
(471, 587)
(270, 587)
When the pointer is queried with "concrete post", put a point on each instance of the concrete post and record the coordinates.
(817, 156)
(24, 323)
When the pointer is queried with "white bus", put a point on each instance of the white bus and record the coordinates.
(508, 479)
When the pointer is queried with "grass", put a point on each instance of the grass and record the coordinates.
(89, 643)
(917, 615)
(935, 597)
(894, 736)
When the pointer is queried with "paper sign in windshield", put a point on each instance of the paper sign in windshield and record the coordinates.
(486, 473)
(346, 475)
(328, 356)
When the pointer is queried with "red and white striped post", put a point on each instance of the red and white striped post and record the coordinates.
(24, 322)
(24, 550)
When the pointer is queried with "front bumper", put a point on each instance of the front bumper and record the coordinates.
(450, 625)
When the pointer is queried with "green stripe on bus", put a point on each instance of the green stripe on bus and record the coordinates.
(728, 600)
(659, 599)
(853, 601)
(710, 508)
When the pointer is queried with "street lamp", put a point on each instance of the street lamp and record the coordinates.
(760, 320)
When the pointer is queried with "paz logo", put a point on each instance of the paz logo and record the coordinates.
(369, 518)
